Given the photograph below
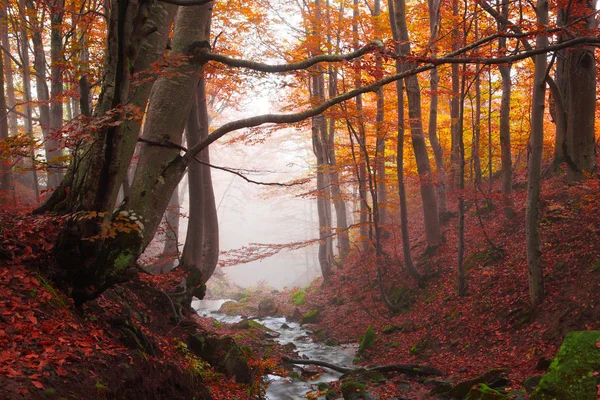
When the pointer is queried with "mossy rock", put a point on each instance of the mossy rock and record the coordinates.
(310, 317)
(367, 341)
(298, 297)
(484, 392)
(352, 390)
(248, 324)
(267, 306)
(575, 371)
(365, 376)
(223, 354)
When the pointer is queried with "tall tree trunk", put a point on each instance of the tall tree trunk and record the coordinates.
(56, 90)
(24, 52)
(43, 94)
(408, 261)
(201, 249)
(341, 218)
(413, 92)
(381, 132)
(505, 146)
(6, 181)
(475, 156)
(434, 78)
(536, 142)
(461, 281)
(454, 102)
(13, 125)
(362, 171)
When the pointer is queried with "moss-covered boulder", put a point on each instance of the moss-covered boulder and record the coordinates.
(223, 354)
(367, 341)
(575, 371)
(484, 392)
(310, 317)
(352, 390)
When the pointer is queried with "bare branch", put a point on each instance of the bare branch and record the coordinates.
(430, 63)
(262, 67)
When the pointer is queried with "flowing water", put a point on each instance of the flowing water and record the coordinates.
(281, 388)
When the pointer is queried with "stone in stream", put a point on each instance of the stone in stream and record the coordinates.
(267, 307)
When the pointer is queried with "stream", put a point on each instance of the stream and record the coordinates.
(281, 388)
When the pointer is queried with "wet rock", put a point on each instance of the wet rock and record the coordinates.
(367, 341)
(223, 354)
(574, 373)
(296, 316)
(439, 387)
(352, 390)
(284, 326)
(267, 307)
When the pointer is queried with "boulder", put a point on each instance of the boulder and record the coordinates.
(223, 354)
(575, 371)
(493, 378)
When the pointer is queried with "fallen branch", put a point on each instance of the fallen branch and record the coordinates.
(408, 369)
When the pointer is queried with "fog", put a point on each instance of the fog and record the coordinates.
(250, 213)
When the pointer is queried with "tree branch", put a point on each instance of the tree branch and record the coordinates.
(278, 68)
(452, 58)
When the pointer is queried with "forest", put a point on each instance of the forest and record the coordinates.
(436, 161)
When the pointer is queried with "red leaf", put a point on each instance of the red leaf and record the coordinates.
(37, 384)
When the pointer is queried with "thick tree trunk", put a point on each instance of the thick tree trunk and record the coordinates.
(413, 92)
(581, 97)
(454, 103)
(536, 142)
(461, 280)
(475, 156)
(201, 249)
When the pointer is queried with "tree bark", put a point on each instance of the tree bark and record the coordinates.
(413, 92)
(7, 194)
(438, 152)
(505, 146)
(201, 250)
(408, 261)
(536, 142)
(13, 126)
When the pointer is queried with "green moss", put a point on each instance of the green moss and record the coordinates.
(310, 317)
(484, 392)
(389, 329)
(574, 372)
(298, 297)
(368, 340)
(122, 262)
(595, 267)
(419, 347)
(243, 300)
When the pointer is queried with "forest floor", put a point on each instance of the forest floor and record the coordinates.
(128, 345)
